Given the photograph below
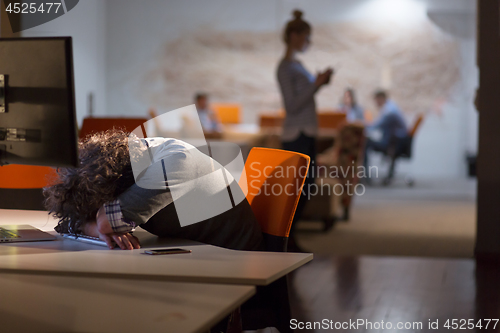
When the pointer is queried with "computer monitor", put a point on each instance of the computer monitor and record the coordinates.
(37, 102)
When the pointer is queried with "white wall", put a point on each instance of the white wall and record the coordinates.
(443, 142)
(86, 24)
(137, 32)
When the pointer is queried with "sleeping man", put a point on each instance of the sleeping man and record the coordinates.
(102, 198)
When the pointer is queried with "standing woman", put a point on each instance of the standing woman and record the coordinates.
(298, 88)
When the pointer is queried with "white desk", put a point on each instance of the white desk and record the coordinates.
(31, 303)
(206, 264)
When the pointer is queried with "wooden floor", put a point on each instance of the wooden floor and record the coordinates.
(431, 219)
(395, 289)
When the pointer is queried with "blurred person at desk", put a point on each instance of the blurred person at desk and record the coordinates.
(103, 198)
(209, 121)
(298, 88)
(354, 112)
(390, 126)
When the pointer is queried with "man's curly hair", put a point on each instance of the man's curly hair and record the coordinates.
(105, 172)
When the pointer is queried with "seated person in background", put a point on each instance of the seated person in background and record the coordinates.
(350, 106)
(208, 118)
(101, 198)
(390, 123)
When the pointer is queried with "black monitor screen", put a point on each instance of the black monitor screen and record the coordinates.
(37, 103)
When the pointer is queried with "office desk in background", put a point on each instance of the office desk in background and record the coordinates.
(37, 303)
(206, 263)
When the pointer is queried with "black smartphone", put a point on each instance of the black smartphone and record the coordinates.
(166, 251)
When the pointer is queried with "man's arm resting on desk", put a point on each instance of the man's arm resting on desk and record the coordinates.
(102, 229)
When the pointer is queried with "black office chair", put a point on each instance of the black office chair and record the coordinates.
(402, 148)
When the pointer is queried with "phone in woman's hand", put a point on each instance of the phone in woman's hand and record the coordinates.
(329, 72)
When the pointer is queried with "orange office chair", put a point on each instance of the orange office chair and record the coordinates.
(21, 186)
(227, 113)
(416, 125)
(274, 181)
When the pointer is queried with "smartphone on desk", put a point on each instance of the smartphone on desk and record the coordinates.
(166, 251)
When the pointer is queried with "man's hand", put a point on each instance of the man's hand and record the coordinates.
(125, 241)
